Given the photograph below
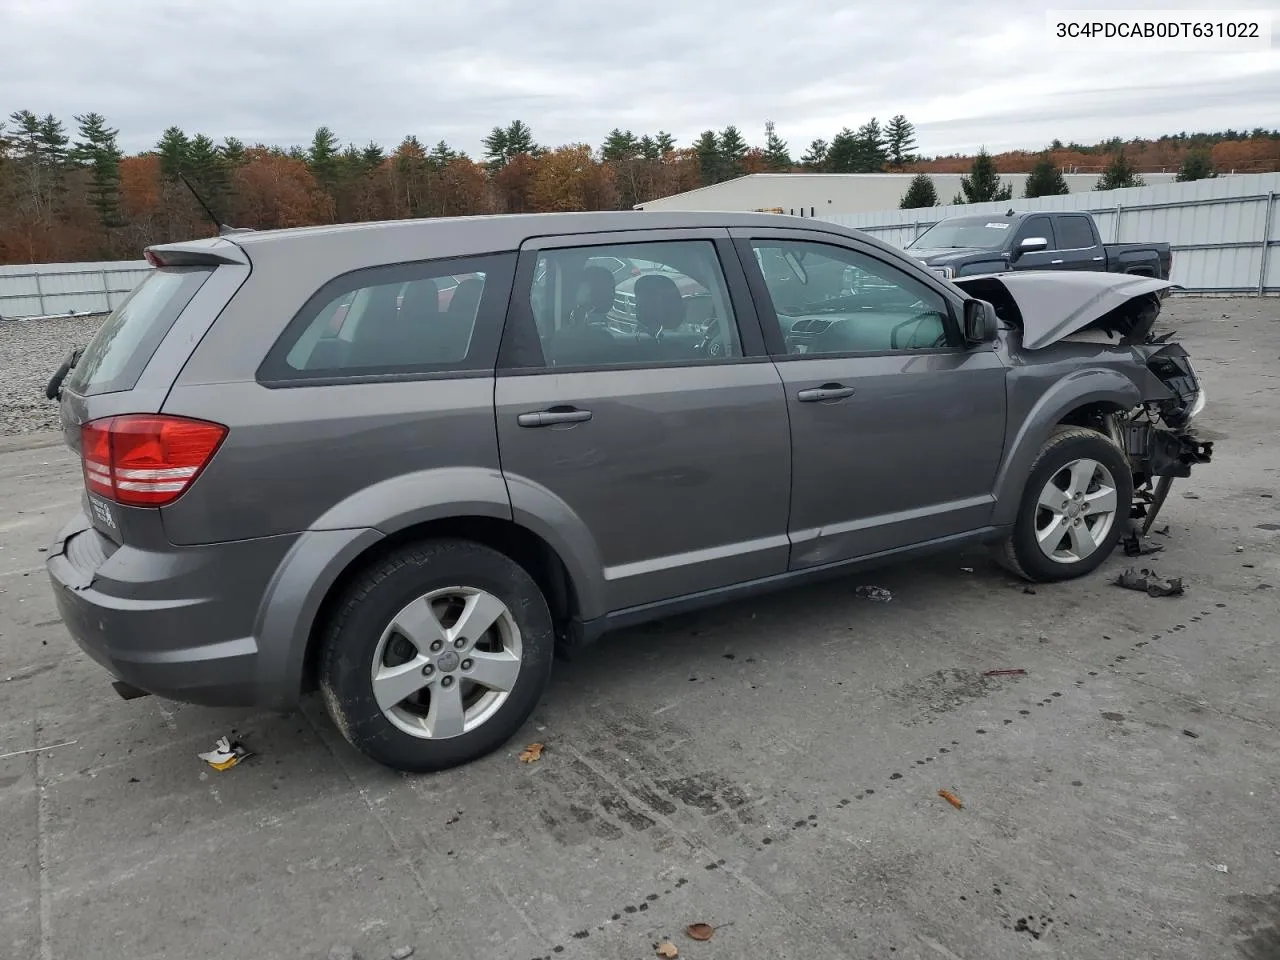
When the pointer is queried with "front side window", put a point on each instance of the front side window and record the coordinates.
(400, 319)
(1038, 227)
(833, 300)
(651, 303)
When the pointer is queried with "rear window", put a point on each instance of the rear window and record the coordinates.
(115, 358)
(432, 318)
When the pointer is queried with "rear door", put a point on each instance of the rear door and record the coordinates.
(1079, 247)
(896, 429)
(658, 438)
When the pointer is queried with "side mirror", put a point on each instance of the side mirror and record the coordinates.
(980, 322)
(1032, 245)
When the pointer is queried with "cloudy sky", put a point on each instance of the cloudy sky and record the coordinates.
(967, 73)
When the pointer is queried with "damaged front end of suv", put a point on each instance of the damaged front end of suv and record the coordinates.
(1055, 316)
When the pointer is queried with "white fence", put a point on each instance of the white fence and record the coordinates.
(59, 289)
(1225, 232)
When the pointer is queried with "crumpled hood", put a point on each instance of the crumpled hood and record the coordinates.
(1052, 304)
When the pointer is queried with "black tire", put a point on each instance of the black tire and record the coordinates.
(1022, 553)
(370, 604)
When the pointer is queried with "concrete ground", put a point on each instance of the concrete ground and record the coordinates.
(769, 768)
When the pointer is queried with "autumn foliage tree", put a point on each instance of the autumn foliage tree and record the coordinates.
(71, 193)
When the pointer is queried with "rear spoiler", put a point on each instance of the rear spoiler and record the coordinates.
(197, 253)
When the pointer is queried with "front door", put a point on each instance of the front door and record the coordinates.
(639, 408)
(897, 430)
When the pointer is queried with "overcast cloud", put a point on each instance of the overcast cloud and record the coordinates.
(966, 73)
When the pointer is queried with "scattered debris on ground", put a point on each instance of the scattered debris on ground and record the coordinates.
(1150, 582)
(877, 594)
(225, 754)
(31, 750)
(1191, 733)
(1011, 672)
(531, 753)
(1135, 547)
(951, 798)
(402, 953)
(700, 931)
(1220, 867)
(667, 949)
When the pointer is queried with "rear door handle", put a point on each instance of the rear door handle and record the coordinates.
(548, 418)
(1055, 261)
(828, 391)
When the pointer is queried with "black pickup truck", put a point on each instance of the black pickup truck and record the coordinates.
(1039, 240)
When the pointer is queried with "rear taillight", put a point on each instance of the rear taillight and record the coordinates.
(146, 460)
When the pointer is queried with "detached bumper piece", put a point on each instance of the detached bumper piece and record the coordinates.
(1158, 456)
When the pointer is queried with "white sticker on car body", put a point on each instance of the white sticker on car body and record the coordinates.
(102, 512)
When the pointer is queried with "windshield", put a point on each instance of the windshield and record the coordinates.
(955, 234)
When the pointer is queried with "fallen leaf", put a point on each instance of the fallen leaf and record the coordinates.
(951, 798)
(667, 949)
(700, 931)
(531, 753)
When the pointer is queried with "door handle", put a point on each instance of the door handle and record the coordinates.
(828, 391)
(548, 418)
(1055, 261)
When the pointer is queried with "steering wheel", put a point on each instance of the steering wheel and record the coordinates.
(893, 334)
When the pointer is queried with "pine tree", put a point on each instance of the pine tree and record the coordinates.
(520, 140)
(982, 185)
(1045, 179)
(172, 149)
(843, 154)
(1119, 174)
(619, 146)
(920, 193)
(869, 149)
(733, 150)
(495, 148)
(1197, 165)
(53, 141)
(98, 150)
(372, 156)
(666, 143)
(815, 157)
(649, 148)
(707, 148)
(900, 141)
(776, 155)
(232, 152)
(322, 157)
(441, 155)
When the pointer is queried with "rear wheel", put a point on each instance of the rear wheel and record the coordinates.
(1073, 509)
(436, 655)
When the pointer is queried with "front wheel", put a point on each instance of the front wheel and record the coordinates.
(1073, 509)
(437, 655)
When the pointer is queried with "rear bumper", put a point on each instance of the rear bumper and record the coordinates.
(177, 622)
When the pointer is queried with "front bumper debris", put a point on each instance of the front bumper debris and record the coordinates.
(1158, 456)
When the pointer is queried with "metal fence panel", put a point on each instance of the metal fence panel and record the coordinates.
(58, 289)
(1225, 232)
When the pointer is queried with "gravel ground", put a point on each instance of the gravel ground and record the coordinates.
(31, 351)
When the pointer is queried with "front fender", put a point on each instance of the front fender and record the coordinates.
(1079, 389)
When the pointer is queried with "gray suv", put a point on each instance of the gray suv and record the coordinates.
(405, 463)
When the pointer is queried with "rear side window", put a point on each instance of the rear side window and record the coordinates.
(440, 317)
(115, 358)
(1074, 233)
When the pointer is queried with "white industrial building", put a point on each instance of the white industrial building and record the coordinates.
(828, 194)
